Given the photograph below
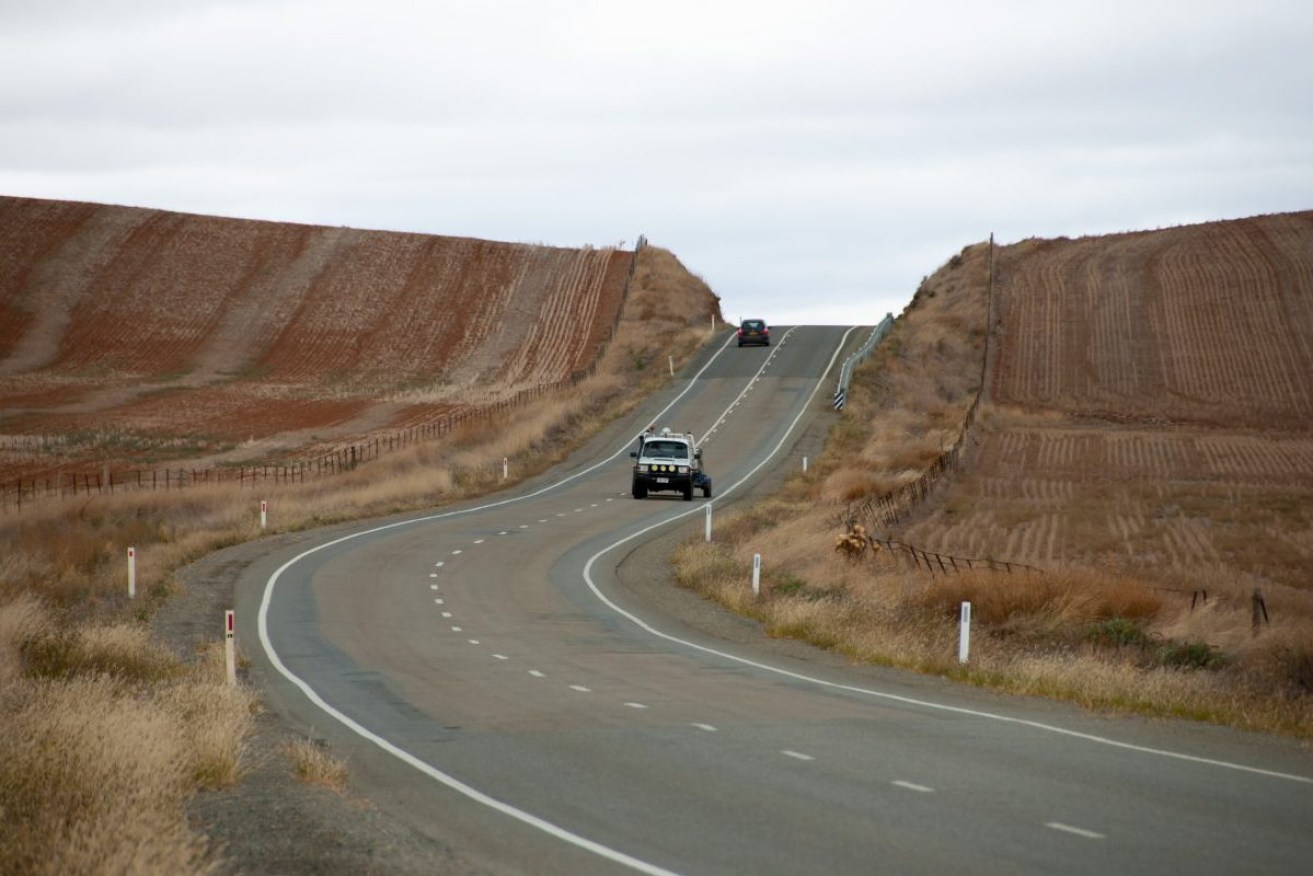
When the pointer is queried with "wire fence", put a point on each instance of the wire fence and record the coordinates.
(892, 507)
(97, 479)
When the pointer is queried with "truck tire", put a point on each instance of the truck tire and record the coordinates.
(688, 492)
(640, 491)
(706, 492)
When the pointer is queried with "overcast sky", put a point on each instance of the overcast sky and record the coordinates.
(810, 160)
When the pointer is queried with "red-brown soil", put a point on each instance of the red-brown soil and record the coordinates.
(1149, 404)
(129, 336)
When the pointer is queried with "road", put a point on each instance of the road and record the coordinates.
(489, 679)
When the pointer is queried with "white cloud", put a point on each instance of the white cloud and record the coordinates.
(803, 157)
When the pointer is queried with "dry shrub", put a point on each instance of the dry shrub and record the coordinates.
(216, 718)
(312, 764)
(93, 778)
(22, 620)
(121, 650)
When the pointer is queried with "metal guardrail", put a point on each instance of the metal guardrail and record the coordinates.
(846, 370)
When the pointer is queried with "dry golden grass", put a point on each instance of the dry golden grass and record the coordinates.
(312, 764)
(104, 732)
(1125, 634)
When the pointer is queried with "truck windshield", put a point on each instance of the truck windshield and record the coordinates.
(666, 449)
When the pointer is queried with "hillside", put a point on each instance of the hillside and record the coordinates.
(1148, 406)
(132, 337)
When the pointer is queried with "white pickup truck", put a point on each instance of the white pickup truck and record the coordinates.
(669, 462)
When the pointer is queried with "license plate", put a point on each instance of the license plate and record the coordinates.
(663, 480)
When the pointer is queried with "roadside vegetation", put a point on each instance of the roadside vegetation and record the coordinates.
(1180, 641)
(105, 733)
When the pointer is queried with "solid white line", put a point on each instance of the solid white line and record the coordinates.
(898, 698)
(1067, 828)
(262, 627)
(912, 786)
(796, 755)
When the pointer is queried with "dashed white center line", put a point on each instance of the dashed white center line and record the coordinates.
(504, 532)
(544, 520)
(536, 674)
(456, 552)
(473, 641)
(433, 586)
(501, 656)
(524, 526)
(912, 786)
(635, 705)
(580, 688)
(446, 614)
(438, 602)
(440, 564)
(796, 755)
(1067, 828)
(457, 630)
(433, 574)
(707, 727)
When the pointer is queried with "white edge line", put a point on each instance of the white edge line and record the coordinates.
(262, 624)
(798, 676)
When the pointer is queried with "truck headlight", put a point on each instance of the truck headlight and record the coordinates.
(640, 468)
(683, 469)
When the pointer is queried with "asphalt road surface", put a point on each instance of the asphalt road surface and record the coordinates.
(487, 678)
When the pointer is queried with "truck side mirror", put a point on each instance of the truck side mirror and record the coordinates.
(697, 454)
(633, 454)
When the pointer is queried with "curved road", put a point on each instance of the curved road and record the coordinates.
(492, 684)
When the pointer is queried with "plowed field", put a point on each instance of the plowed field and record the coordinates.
(1149, 404)
(132, 336)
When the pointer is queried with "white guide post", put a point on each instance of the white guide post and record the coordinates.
(229, 650)
(804, 465)
(708, 523)
(505, 468)
(132, 573)
(672, 365)
(756, 574)
(964, 635)
(264, 514)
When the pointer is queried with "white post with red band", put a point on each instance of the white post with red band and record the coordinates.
(264, 514)
(132, 573)
(229, 647)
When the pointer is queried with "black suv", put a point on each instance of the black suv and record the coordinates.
(754, 331)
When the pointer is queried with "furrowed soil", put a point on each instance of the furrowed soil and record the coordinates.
(130, 338)
(1148, 407)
